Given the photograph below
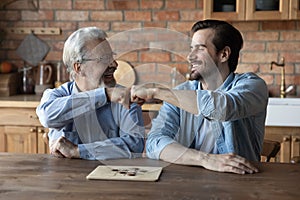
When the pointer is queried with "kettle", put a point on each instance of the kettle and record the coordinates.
(43, 77)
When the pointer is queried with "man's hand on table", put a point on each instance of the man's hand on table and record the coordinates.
(228, 163)
(62, 147)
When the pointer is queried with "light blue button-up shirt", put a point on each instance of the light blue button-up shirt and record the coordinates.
(103, 130)
(236, 112)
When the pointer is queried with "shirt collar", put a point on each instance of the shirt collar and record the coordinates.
(227, 81)
(75, 88)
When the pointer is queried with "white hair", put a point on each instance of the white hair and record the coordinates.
(75, 46)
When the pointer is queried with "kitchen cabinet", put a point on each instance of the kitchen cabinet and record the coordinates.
(246, 10)
(217, 10)
(20, 129)
(22, 139)
(281, 14)
(283, 125)
(289, 138)
(294, 9)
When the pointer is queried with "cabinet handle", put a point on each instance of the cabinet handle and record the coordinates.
(33, 117)
(286, 139)
(296, 139)
(32, 130)
(41, 131)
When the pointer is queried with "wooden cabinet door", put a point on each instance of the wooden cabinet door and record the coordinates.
(42, 146)
(2, 139)
(246, 10)
(253, 14)
(23, 139)
(237, 14)
(285, 152)
(19, 139)
(294, 9)
(295, 148)
(21, 131)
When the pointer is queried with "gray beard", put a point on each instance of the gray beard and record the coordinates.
(107, 84)
(195, 77)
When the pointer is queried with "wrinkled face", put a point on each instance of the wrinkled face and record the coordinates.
(99, 63)
(202, 57)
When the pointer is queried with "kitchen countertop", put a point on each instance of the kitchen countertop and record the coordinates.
(32, 101)
(20, 101)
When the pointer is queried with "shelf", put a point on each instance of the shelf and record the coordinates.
(35, 30)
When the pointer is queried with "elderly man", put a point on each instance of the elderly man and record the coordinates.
(87, 116)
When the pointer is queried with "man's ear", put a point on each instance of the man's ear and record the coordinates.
(77, 67)
(225, 53)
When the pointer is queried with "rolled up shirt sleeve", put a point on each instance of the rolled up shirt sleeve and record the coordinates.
(60, 105)
(163, 131)
(246, 96)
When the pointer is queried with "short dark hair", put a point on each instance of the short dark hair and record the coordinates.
(225, 35)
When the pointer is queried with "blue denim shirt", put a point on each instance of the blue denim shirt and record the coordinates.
(237, 111)
(102, 129)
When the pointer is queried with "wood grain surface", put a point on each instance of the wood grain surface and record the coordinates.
(39, 176)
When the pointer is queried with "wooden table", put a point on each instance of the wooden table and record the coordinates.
(41, 176)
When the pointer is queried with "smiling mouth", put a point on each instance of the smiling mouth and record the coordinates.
(194, 66)
(110, 75)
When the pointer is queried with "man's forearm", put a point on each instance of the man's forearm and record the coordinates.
(118, 95)
(184, 99)
(178, 154)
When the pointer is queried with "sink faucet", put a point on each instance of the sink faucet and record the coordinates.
(282, 84)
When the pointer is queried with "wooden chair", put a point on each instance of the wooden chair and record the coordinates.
(270, 149)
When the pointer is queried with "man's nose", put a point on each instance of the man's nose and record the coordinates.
(191, 56)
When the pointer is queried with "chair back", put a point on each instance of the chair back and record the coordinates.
(270, 149)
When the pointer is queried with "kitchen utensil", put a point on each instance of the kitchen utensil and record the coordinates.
(44, 74)
(125, 74)
(61, 74)
(43, 77)
(33, 50)
(27, 80)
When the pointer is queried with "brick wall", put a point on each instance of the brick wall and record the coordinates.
(152, 35)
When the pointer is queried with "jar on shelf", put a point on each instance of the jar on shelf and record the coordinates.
(27, 80)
